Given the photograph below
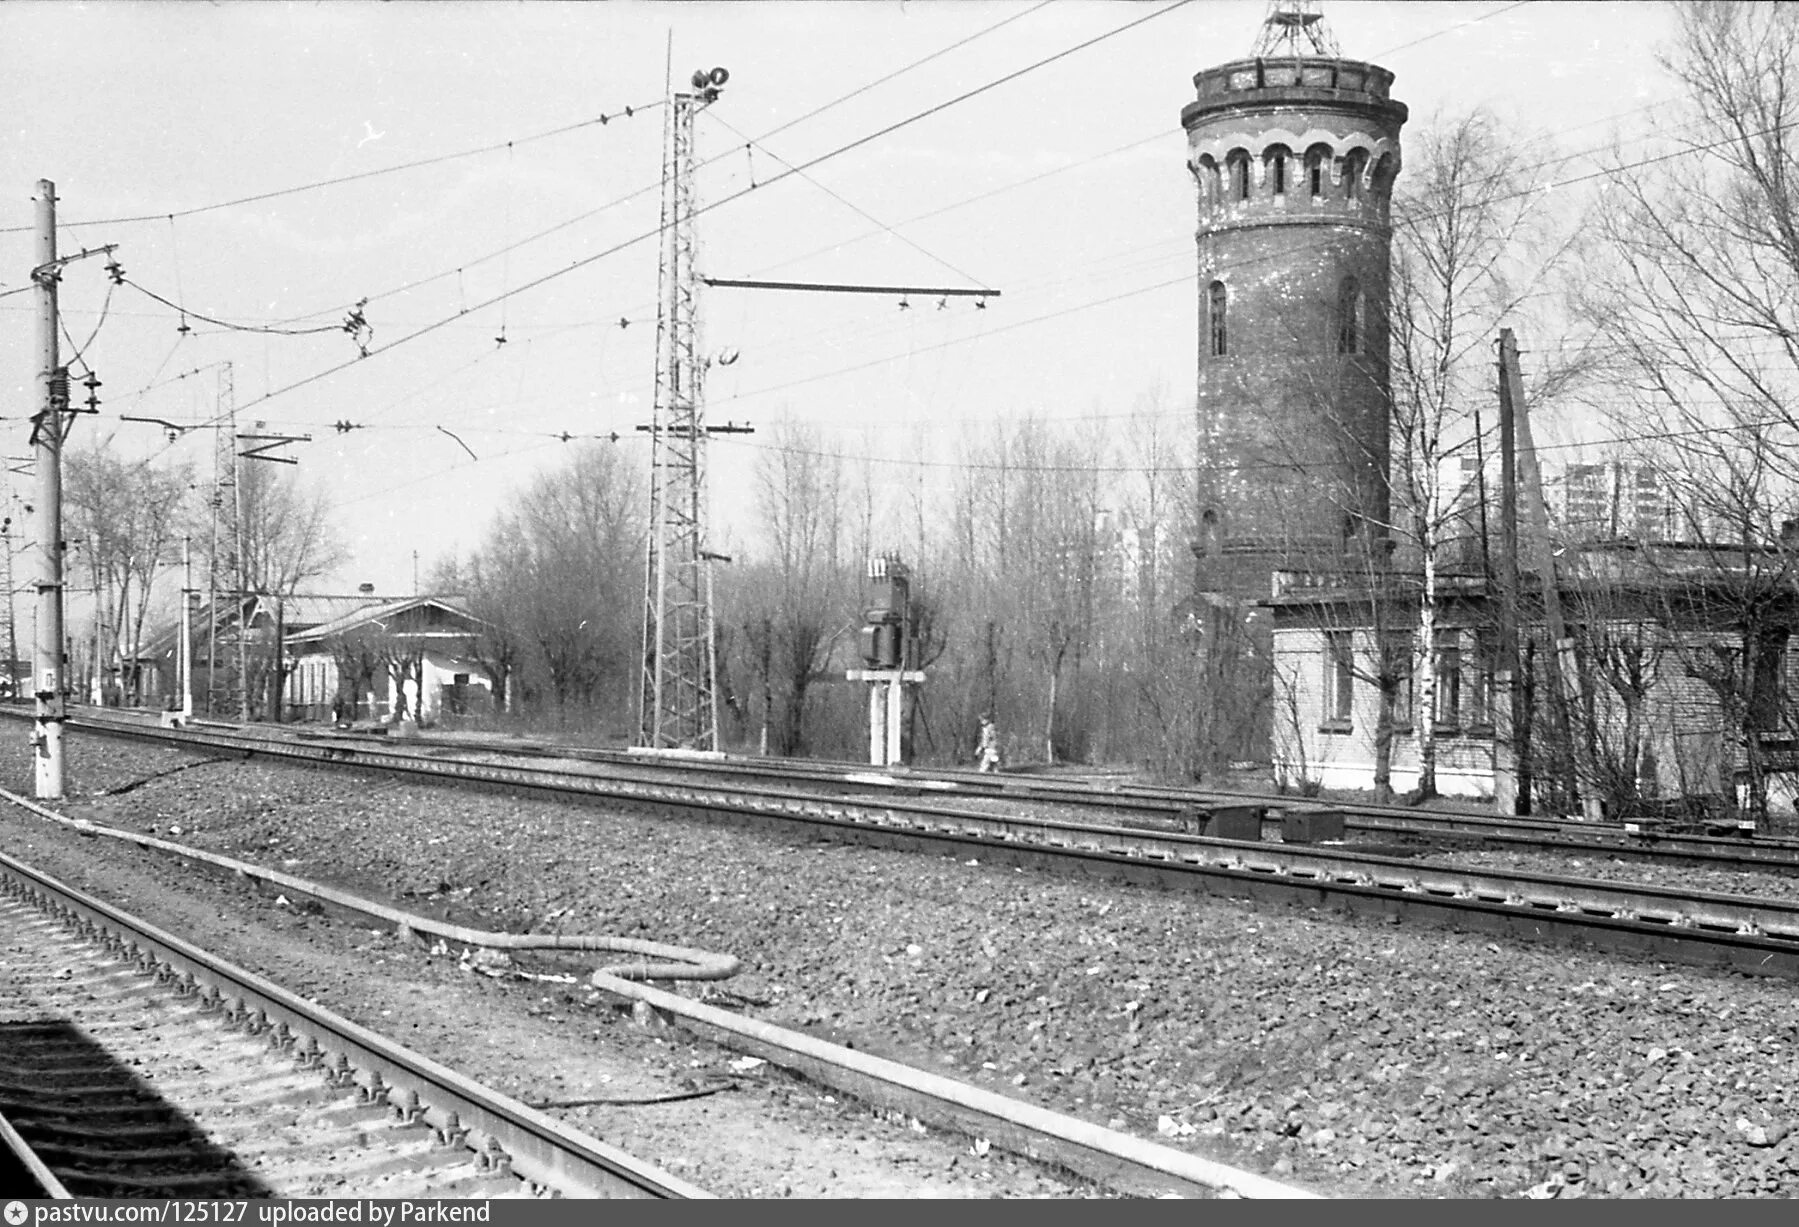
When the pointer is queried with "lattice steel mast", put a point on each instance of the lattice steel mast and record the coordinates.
(1295, 28)
(678, 706)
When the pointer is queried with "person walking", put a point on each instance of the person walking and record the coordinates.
(987, 749)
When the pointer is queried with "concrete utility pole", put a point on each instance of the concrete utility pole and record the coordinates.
(1564, 673)
(185, 665)
(47, 428)
(1511, 725)
(12, 614)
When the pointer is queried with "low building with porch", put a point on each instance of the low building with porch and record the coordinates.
(1680, 694)
(425, 657)
(322, 657)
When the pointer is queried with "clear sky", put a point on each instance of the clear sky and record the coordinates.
(1064, 189)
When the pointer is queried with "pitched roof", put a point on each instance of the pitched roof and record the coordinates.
(388, 611)
(301, 615)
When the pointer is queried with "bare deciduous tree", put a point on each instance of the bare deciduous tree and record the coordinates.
(126, 516)
(1697, 297)
(795, 599)
(559, 578)
(1474, 244)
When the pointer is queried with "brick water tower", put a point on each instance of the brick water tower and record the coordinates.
(1294, 152)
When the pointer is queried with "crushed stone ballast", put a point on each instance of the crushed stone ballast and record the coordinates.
(1742, 932)
(1117, 1160)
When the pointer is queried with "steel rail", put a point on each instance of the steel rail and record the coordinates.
(1748, 933)
(1180, 808)
(503, 1133)
(1635, 840)
(1129, 1164)
(22, 1172)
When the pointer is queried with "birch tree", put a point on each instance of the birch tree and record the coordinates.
(1475, 242)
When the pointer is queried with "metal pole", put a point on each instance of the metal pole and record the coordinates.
(54, 389)
(212, 590)
(12, 619)
(99, 628)
(237, 546)
(185, 661)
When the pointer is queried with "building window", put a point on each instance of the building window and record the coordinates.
(1215, 318)
(1479, 696)
(1449, 680)
(1353, 164)
(1339, 679)
(1277, 171)
(1397, 677)
(1205, 171)
(1238, 164)
(1349, 317)
(1317, 160)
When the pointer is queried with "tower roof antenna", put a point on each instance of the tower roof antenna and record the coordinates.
(1295, 28)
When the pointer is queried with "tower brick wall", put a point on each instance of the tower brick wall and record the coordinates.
(1294, 161)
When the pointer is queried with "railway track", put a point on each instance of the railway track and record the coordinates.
(1710, 929)
(133, 1064)
(1392, 827)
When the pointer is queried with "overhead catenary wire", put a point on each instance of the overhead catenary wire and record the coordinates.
(1285, 254)
(817, 160)
(559, 226)
(1051, 316)
(339, 180)
(1535, 188)
(810, 163)
(855, 208)
(1183, 279)
(602, 119)
(649, 187)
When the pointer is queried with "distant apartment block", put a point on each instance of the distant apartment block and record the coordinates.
(1612, 500)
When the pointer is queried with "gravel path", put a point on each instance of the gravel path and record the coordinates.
(1351, 1055)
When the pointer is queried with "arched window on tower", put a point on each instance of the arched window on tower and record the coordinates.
(1317, 158)
(1354, 163)
(1349, 317)
(1206, 172)
(1238, 165)
(1277, 157)
(1215, 319)
(1386, 169)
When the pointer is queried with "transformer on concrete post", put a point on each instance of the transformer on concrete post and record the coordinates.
(887, 650)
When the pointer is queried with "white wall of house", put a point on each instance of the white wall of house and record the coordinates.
(1322, 736)
(313, 685)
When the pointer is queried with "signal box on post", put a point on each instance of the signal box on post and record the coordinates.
(886, 644)
(885, 638)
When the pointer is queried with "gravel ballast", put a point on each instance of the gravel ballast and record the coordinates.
(1350, 1055)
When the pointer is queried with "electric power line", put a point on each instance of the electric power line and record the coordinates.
(562, 225)
(339, 180)
(857, 143)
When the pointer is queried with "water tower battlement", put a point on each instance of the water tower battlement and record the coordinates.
(1293, 160)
